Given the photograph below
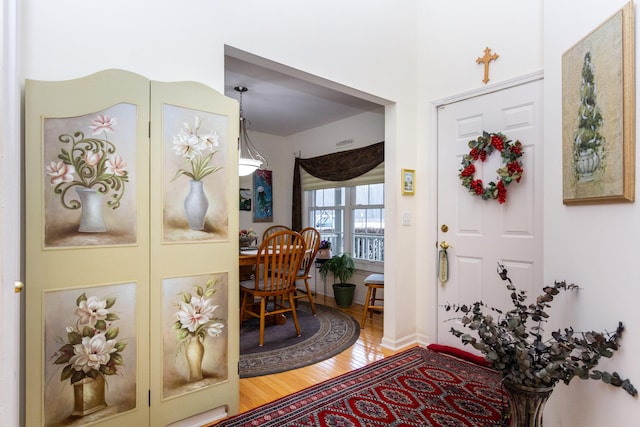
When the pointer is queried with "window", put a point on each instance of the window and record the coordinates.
(351, 218)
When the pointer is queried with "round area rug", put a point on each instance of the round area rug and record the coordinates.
(323, 336)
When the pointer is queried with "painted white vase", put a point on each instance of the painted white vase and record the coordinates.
(91, 218)
(194, 354)
(587, 163)
(196, 205)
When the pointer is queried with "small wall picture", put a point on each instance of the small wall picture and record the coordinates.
(408, 182)
(245, 199)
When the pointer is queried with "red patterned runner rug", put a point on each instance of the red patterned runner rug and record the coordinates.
(418, 387)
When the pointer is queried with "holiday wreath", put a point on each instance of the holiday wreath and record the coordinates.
(510, 171)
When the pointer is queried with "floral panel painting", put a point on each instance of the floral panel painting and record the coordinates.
(90, 354)
(89, 173)
(194, 333)
(194, 175)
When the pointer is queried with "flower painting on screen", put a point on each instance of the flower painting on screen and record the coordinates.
(90, 353)
(89, 178)
(194, 174)
(195, 340)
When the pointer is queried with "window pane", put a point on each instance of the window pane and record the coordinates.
(361, 233)
(362, 195)
(359, 220)
(374, 221)
(376, 194)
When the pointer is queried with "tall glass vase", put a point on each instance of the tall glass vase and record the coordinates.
(91, 218)
(196, 205)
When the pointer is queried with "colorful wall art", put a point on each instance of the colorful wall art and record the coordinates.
(263, 196)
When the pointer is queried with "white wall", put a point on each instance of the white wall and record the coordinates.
(594, 246)
(364, 129)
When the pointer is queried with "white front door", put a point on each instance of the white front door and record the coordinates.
(483, 233)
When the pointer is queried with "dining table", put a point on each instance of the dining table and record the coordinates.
(248, 257)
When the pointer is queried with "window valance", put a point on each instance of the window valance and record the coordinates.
(336, 167)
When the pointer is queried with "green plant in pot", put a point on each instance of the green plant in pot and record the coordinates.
(342, 267)
(532, 364)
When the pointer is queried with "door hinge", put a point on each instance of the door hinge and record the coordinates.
(149, 398)
(149, 129)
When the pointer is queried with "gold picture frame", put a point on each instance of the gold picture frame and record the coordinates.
(598, 114)
(408, 182)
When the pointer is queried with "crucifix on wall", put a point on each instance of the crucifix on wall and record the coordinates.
(488, 57)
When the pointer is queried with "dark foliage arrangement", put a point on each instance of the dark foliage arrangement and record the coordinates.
(513, 341)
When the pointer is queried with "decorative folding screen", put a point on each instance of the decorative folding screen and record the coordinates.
(131, 196)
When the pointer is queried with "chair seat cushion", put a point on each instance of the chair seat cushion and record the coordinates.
(375, 279)
(250, 285)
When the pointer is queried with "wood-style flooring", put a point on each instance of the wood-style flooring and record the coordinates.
(258, 391)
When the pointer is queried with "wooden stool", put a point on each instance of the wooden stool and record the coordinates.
(373, 282)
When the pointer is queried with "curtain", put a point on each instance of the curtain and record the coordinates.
(340, 166)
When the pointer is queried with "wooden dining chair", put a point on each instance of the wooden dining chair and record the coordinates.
(312, 244)
(277, 265)
(273, 229)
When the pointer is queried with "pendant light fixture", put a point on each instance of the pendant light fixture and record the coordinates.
(249, 158)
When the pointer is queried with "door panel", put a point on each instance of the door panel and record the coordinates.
(184, 258)
(483, 232)
(70, 273)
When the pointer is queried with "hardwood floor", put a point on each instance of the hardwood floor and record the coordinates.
(258, 391)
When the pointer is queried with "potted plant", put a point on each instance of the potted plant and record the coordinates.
(532, 364)
(324, 250)
(342, 267)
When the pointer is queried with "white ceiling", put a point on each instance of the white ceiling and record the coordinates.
(282, 104)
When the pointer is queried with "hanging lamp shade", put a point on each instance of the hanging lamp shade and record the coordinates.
(249, 158)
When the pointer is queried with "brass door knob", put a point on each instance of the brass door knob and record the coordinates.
(444, 245)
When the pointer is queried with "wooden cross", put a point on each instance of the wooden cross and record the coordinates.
(486, 59)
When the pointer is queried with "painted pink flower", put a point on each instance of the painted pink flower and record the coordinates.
(103, 123)
(91, 310)
(92, 353)
(92, 158)
(116, 166)
(60, 172)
